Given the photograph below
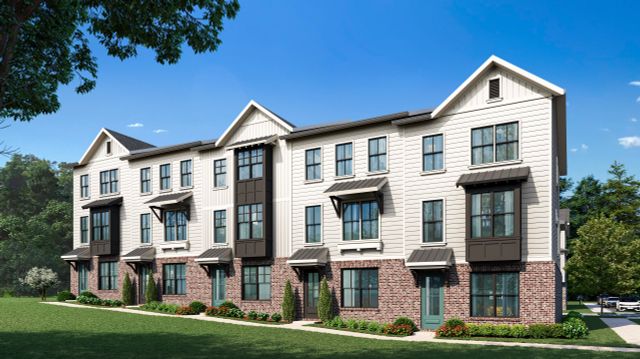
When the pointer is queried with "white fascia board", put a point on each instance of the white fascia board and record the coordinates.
(494, 60)
(84, 158)
(212, 260)
(251, 105)
(306, 262)
(427, 265)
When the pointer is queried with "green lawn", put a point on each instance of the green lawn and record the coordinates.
(599, 335)
(576, 306)
(637, 321)
(29, 329)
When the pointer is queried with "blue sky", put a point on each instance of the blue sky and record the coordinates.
(330, 60)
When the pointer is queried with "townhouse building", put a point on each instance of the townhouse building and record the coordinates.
(430, 214)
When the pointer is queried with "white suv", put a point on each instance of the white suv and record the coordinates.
(628, 303)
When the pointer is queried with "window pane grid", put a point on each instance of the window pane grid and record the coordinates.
(145, 180)
(250, 221)
(84, 186)
(108, 276)
(220, 173)
(360, 288)
(377, 154)
(145, 228)
(165, 176)
(186, 173)
(433, 153)
(313, 164)
(84, 229)
(109, 182)
(494, 143)
(175, 226)
(313, 224)
(493, 214)
(174, 279)
(494, 295)
(432, 221)
(344, 159)
(220, 226)
(250, 163)
(256, 283)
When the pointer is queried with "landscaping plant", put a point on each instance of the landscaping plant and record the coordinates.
(198, 307)
(288, 303)
(325, 303)
(276, 317)
(127, 290)
(40, 279)
(65, 295)
(151, 294)
(406, 321)
(453, 327)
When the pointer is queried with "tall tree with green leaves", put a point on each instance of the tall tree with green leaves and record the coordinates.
(586, 202)
(45, 43)
(622, 196)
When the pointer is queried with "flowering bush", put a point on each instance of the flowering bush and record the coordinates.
(453, 328)
(406, 321)
(400, 329)
(40, 279)
(211, 311)
(186, 310)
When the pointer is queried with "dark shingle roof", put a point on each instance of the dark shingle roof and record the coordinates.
(104, 202)
(431, 255)
(498, 176)
(130, 143)
(150, 152)
(373, 183)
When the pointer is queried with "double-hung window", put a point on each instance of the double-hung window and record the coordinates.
(84, 229)
(165, 176)
(493, 214)
(108, 276)
(313, 224)
(360, 288)
(83, 276)
(250, 163)
(100, 225)
(220, 226)
(186, 173)
(109, 182)
(378, 154)
(256, 283)
(432, 153)
(220, 173)
(360, 220)
(494, 143)
(432, 223)
(313, 164)
(175, 226)
(344, 159)
(495, 295)
(84, 186)
(250, 221)
(145, 180)
(174, 279)
(145, 228)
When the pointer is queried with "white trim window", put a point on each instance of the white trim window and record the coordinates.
(84, 230)
(220, 226)
(175, 226)
(360, 220)
(432, 221)
(344, 159)
(145, 180)
(432, 153)
(84, 186)
(313, 164)
(496, 143)
(220, 173)
(109, 182)
(313, 224)
(186, 173)
(378, 154)
(250, 221)
(165, 176)
(145, 228)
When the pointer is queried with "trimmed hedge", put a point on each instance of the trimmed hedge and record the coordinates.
(198, 307)
(97, 301)
(65, 295)
(402, 326)
(161, 307)
(572, 327)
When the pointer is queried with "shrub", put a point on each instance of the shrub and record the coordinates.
(288, 303)
(65, 295)
(453, 327)
(556, 331)
(401, 329)
(573, 314)
(168, 308)
(186, 310)
(235, 313)
(276, 317)
(325, 303)
(263, 316)
(519, 331)
(575, 328)
(127, 290)
(409, 322)
(152, 305)
(112, 303)
(363, 325)
(502, 331)
(539, 331)
(151, 293)
(228, 304)
(352, 324)
(198, 307)
(375, 327)
(337, 322)
(253, 315)
(87, 294)
(223, 311)
(211, 311)
(40, 279)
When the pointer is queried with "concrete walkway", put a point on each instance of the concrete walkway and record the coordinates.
(595, 307)
(626, 329)
(422, 336)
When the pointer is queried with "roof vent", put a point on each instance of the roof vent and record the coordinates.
(494, 89)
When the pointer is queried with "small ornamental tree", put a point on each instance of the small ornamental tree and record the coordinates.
(288, 303)
(40, 279)
(151, 295)
(325, 309)
(127, 290)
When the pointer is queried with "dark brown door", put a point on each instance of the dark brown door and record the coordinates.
(311, 294)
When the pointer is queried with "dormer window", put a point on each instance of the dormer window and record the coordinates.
(494, 89)
(108, 147)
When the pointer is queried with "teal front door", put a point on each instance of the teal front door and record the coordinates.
(432, 297)
(144, 271)
(218, 285)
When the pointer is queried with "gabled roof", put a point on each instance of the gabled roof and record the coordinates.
(155, 151)
(127, 142)
(487, 66)
(252, 105)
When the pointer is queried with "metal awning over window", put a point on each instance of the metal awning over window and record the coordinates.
(170, 201)
(508, 175)
(221, 255)
(140, 255)
(370, 188)
(431, 258)
(309, 257)
(77, 255)
(253, 142)
(107, 202)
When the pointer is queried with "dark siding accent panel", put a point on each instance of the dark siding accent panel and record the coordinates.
(109, 247)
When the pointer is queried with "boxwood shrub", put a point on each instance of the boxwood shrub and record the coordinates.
(65, 295)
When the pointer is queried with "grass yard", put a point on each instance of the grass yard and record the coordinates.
(599, 335)
(637, 321)
(29, 329)
(577, 307)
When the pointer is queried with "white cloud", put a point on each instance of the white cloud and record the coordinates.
(629, 141)
(633, 119)
(605, 129)
(635, 83)
(135, 125)
(584, 147)
(638, 99)
(574, 150)
(160, 130)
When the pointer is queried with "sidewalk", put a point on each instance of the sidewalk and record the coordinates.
(422, 336)
(626, 329)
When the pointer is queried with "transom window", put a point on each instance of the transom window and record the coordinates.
(174, 279)
(360, 220)
(495, 295)
(145, 228)
(360, 288)
(250, 221)
(432, 153)
(344, 159)
(493, 214)
(108, 276)
(220, 173)
(84, 229)
(432, 223)
(175, 225)
(313, 164)
(220, 226)
(145, 180)
(250, 163)
(84, 186)
(494, 143)
(165, 176)
(378, 154)
(256, 283)
(109, 182)
(313, 224)
(186, 173)
(100, 225)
